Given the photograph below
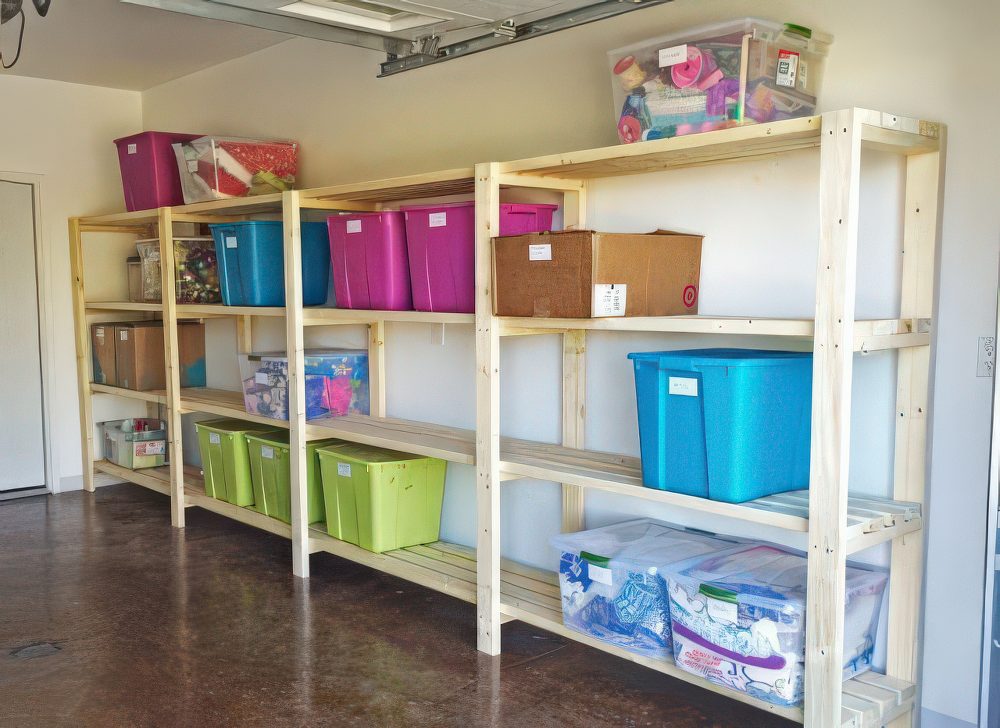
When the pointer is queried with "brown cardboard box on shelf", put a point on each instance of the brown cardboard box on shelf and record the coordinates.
(102, 352)
(139, 354)
(584, 274)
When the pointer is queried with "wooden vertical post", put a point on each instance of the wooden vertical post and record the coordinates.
(376, 368)
(487, 414)
(294, 344)
(920, 232)
(244, 334)
(175, 440)
(840, 157)
(82, 354)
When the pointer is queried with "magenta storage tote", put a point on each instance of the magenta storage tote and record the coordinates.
(370, 269)
(150, 178)
(441, 244)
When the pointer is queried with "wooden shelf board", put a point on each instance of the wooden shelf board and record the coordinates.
(229, 207)
(869, 335)
(155, 396)
(433, 184)
(420, 438)
(870, 520)
(325, 316)
(202, 310)
(157, 479)
(93, 306)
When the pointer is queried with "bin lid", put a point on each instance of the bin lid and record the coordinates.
(231, 424)
(366, 454)
(721, 357)
(279, 438)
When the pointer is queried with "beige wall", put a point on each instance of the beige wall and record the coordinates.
(551, 94)
(63, 133)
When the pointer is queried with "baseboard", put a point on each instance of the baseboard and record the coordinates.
(931, 719)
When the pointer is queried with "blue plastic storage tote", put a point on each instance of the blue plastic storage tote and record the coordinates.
(727, 424)
(252, 262)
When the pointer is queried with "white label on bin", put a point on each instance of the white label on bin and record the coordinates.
(152, 447)
(600, 574)
(684, 386)
(344, 470)
(721, 611)
(673, 55)
(133, 148)
(214, 438)
(354, 226)
(542, 251)
(192, 165)
(437, 219)
(99, 333)
(267, 452)
(788, 63)
(123, 334)
(260, 377)
(609, 299)
(230, 241)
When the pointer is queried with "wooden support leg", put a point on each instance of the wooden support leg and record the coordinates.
(291, 213)
(376, 368)
(174, 436)
(487, 415)
(574, 399)
(840, 157)
(82, 355)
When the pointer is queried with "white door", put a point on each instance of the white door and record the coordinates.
(22, 448)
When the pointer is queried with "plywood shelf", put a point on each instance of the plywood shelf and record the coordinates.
(97, 306)
(156, 396)
(323, 315)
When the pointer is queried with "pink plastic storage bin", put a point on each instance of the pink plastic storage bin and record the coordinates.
(441, 245)
(368, 252)
(150, 177)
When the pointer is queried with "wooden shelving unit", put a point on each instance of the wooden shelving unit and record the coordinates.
(837, 523)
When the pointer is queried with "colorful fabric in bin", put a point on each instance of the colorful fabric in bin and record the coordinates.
(613, 583)
(727, 424)
(738, 619)
(345, 375)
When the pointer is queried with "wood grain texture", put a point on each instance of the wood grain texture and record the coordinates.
(82, 341)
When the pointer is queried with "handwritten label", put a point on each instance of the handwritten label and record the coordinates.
(123, 334)
(260, 378)
(267, 452)
(600, 574)
(720, 611)
(683, 386)
(231, 241)
(673, 55)
(609, 299)
(354, 226)
(344, 470)
(214, 438)
(133, 148)
(437, 219)
(542, 251)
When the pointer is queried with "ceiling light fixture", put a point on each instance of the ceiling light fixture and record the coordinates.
(10, 9)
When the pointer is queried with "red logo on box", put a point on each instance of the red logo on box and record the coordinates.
(690, 296)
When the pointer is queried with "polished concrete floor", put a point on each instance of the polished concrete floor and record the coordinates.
(109, 617)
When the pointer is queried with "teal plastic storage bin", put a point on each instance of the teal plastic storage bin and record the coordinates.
(727, 424)
(252, 262)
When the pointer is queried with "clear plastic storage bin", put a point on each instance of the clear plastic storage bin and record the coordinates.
(135, 443)
(745, 71)
(613, 583)
(196, 274)
(738, 620)
(133, 266)
(217, 168)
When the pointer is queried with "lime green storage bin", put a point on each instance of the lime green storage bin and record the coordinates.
(224, 459)
(380, 499)
(270, 471)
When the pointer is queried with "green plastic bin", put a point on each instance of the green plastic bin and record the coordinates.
(380, 499)
(224, 459)
(270, 471)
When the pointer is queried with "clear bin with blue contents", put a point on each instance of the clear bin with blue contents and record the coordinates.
(738, 620)
(740, 72)
(613, 583)
(726, 424)
(251, 257)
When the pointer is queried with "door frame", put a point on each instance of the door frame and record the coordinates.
(992, 560)
(46, 339)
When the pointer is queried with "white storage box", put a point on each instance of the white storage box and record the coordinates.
(738, 620)
(612, 581)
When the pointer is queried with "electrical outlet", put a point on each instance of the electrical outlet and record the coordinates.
(986, 360)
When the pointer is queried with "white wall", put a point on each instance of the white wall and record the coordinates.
(552, 94)
(63, 132)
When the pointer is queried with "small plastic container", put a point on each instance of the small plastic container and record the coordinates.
(712, 77)
(225, 459)
(197, 271)
(135, 443)
(370, 268)
(251, 259)
(379, 499)
(441, 246)
(133, 268)
(336, 383)
(738, 620)
(613, 582)
(149, 257)
(217, 168)
(727, 424)
(270, 472)
(149, 169)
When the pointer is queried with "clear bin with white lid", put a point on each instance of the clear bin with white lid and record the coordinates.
(613, 585)
(739, 72)
(738, 620)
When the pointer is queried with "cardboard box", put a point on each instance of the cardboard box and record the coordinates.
(139, 354)
(102, 353)
(584, 274)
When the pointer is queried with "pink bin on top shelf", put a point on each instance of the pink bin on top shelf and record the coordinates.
(149, 169)
(441, 244)
(368, 253)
